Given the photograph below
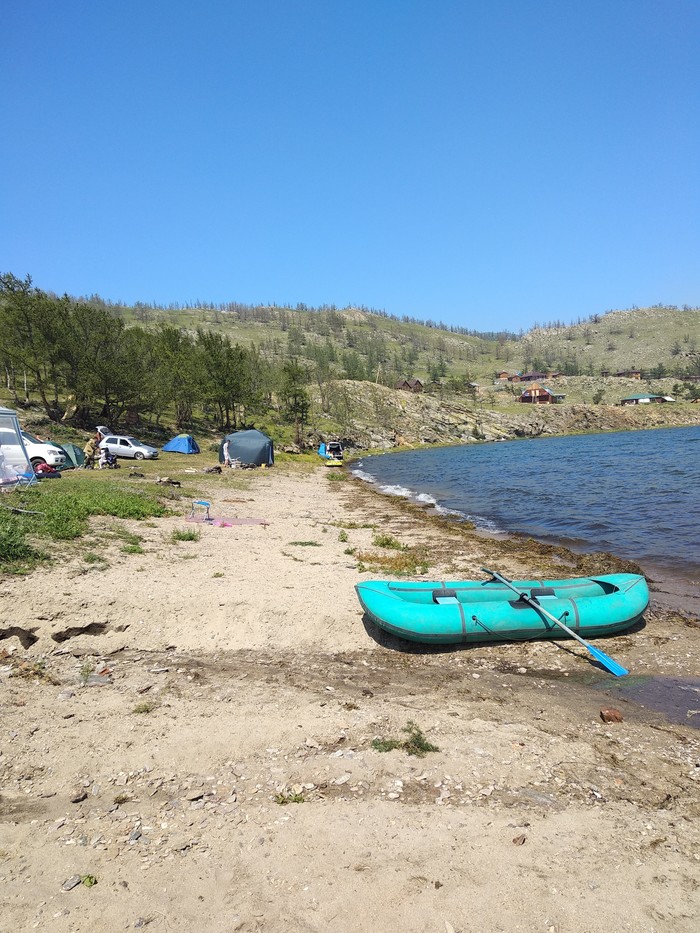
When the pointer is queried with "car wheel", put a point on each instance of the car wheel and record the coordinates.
(138, 455)
(37, 461)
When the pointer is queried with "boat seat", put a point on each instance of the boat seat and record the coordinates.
(538, 591)
(444, 596)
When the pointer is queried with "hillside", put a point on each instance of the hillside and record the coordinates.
(643, 338)
(299, 373)
(362, 344)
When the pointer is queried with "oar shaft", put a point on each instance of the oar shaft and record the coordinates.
(535, 605)
(617, 669)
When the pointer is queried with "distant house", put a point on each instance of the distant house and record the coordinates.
(553, 374)
(503, 376)
(515, 377)
(409, 385)
(532, 377)
(540, 395)
(645, 399)
(629, 374)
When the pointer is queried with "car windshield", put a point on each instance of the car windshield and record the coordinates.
(31, 438)
(135, 442)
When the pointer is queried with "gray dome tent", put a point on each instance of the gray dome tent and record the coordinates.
(250, 447)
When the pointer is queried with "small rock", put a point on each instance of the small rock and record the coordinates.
(520, 840)
(610, 714)
(71, 883)
(78, 794)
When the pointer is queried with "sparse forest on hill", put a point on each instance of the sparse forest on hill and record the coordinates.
(232, 365)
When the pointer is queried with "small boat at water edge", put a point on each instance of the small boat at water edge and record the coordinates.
(443, 613)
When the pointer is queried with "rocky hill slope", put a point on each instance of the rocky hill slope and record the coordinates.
(377, 417)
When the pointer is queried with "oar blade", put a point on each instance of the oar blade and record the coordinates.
(617, 669)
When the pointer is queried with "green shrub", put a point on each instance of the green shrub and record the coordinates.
(415, 743)
(186, 534)
(388, 541)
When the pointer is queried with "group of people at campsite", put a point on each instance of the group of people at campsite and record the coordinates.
(95, 452)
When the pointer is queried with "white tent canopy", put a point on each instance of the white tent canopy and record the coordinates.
(14, 462)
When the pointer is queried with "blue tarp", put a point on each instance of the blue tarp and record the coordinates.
(333, 450)
(183, 444)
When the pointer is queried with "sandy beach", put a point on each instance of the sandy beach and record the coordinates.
(191, 728)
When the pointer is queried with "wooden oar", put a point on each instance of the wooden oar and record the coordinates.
(617, 669)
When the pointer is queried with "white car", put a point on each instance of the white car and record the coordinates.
(43, 452)
(38, 451)
(122, 445)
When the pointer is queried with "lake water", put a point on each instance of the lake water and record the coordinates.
(634, 493)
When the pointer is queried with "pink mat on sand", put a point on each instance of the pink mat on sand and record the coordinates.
(226, 522)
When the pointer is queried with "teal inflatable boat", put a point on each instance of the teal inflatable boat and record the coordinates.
(444, 613)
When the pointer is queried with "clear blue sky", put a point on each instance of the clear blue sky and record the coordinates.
(489, 163)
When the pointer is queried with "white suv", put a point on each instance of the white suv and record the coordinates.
(42, 452)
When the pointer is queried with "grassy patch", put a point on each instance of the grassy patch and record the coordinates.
(146, 706)
(132, 549)
(97, 561)
(61, 511)
(354, 524)
(185, 534)
(415, 742)
(388, 541)
(305, 543)
(28, 670)
(283, 799)
(16, 554)
(338, 476)
(406, 563)
(216, 575)
(343, 536)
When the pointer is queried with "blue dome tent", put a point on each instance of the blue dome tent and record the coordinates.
(182, 444)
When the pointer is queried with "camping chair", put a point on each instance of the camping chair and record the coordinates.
(201, 503)
(21, 480)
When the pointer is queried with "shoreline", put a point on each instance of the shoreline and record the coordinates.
(679, 584)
